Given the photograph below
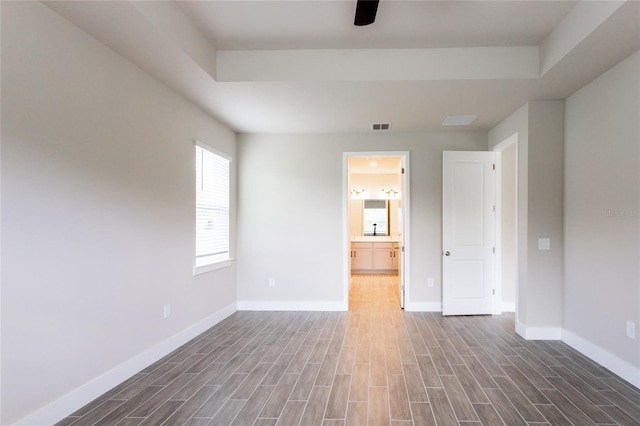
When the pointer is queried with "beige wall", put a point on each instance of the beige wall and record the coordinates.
(584, 194)
(540, 129)
(292, 206)
(518, 123)
(602, 223)
(546, 165)
(508, 225)
(97, 214)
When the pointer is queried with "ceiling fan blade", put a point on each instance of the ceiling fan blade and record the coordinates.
(365, 12)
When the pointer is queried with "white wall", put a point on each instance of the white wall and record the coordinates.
(540, 129)
(602, 223)
(290, 204)
(97, 212)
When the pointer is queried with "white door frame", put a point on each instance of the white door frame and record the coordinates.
(511, 140)
(346, 246)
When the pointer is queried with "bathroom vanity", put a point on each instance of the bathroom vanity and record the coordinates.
(374, 255)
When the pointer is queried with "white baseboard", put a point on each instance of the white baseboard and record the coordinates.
(622, 368)
(423, 307)
(274, 305)
(76, 399)
(538, 333)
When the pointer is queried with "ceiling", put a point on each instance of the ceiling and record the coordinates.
(258, 25)
(374, 164)
(301, 66)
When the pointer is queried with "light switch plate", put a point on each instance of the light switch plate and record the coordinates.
(631, 329)
(544, 244)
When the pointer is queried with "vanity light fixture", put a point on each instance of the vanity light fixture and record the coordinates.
(391, 193)
(356, 194)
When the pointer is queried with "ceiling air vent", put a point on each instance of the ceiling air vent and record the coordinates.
(459, 120)
(380, 126)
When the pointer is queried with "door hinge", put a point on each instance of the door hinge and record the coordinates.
(494, 207)
(494, 166)
(403, 170)
(402, 249)
(493, 291)
(494, 250)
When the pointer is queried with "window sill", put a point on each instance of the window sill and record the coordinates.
(221, 264)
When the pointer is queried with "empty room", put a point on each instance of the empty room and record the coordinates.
(320, 212)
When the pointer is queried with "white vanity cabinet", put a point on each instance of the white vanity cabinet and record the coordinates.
(382, 256)
(375, 257)
(361, 256)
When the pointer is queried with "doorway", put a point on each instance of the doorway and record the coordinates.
(506, 265)
(468, 228)
(480, 234)
(376, 206)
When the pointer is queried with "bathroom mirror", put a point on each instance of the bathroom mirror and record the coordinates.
(375, 218)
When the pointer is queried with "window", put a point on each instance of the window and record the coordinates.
(212, 209)
(375, 217)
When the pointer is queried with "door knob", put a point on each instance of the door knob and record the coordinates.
(447, 253)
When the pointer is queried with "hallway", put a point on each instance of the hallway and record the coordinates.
(374, 293)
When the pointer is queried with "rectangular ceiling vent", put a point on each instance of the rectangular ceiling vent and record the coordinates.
(459, 120)
(380, 126)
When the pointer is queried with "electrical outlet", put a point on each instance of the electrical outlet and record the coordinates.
(272, 282)
(631, 329)
(167, 310)
(430, 282)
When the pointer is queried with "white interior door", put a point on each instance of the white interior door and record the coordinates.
(468, 233)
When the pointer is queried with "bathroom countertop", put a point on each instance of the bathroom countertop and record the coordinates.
(372, 239)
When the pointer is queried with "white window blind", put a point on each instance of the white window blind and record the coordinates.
(212, 206)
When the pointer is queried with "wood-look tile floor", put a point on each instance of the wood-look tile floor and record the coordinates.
(373, 365)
